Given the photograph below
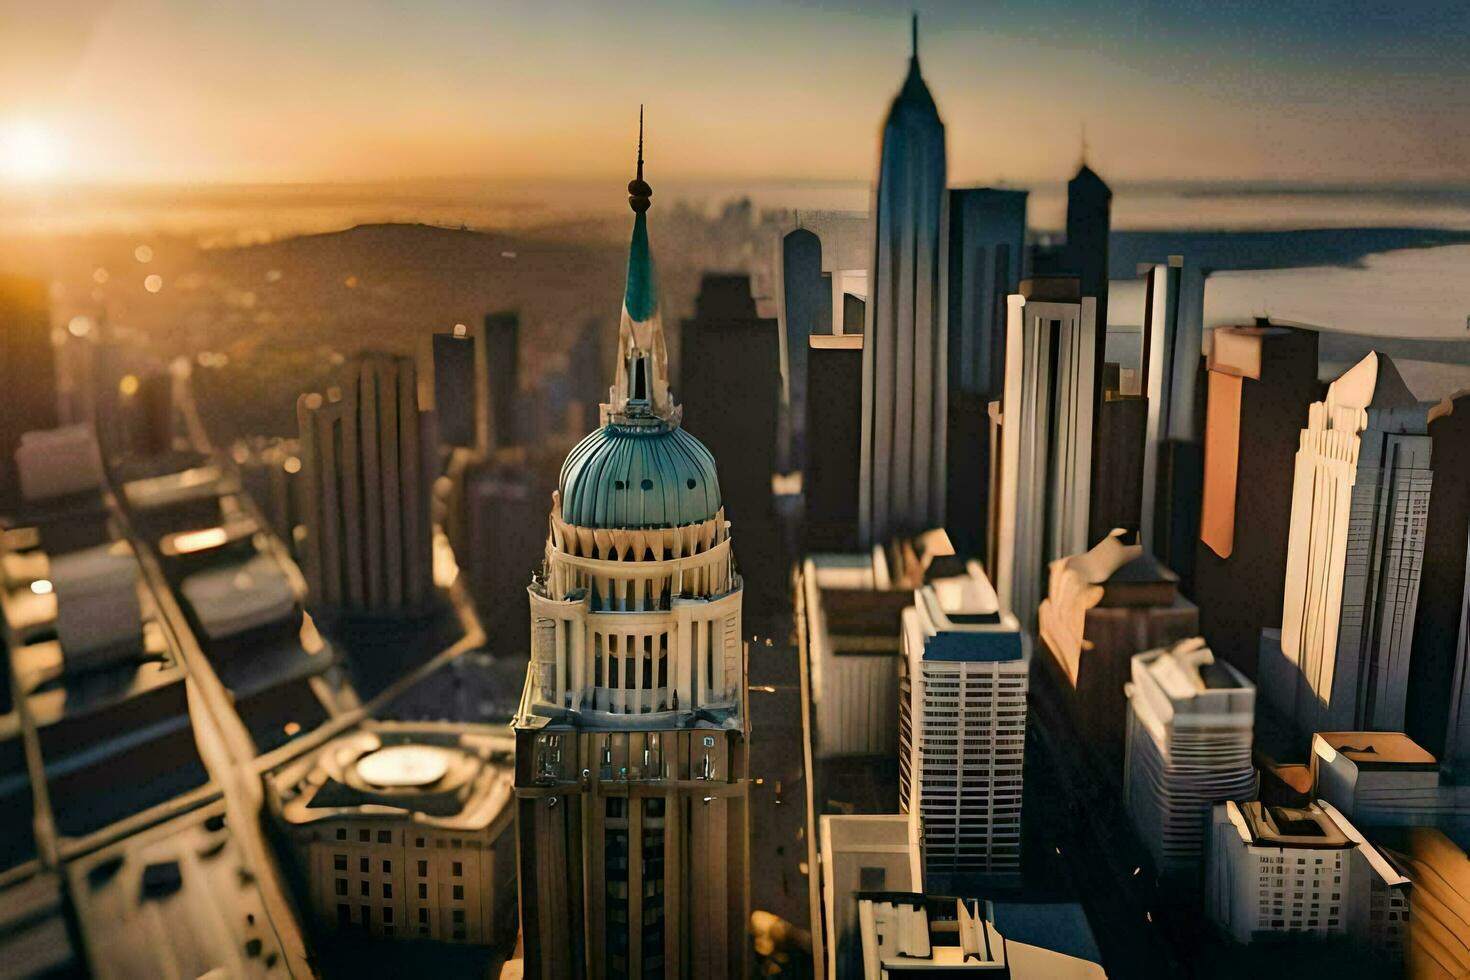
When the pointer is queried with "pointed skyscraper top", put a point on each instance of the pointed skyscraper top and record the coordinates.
(914, 90)
(641, 386)
(639, 193)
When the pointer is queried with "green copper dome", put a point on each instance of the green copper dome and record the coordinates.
(639, 477)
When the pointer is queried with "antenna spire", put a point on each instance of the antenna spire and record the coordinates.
(639, 193)
(914, 31)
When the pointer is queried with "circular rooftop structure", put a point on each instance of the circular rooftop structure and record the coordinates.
(404, 766)
(639, 477)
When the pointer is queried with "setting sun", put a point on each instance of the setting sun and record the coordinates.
(27, 152)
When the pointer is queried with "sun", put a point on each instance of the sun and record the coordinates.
(27, 152)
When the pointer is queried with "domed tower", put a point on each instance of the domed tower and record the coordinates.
(630, 739)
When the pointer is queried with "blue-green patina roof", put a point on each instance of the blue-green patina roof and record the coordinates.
(639, 299)
(639, 477)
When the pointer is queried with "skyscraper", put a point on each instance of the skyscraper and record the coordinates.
(962, 727)
(27, 373)
(1261, 380)
(1439, 670)
(366, 489)
(1360, 497)
(503, 377)
(456, 387)
(833, 461)
(905, 351)
(1190, 719)
(987, 240)
(631, 783)
(1046, 437)
(731, 396)
(806, 299)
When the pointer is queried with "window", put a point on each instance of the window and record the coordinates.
(871, 879)
(344, 915)
(341, 886)
(341, 833)
(423, 916)
(362, 888)
(387, 889)
(364, 836)
(459, 893)
(419, 842)
(385, 837)
(362, 865)
(459, 917)
(387, 867)
(423, 869)
(459, 869)
(339, 862)
(387, 913)
(423, 891)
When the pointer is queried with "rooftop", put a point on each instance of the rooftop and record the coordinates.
(426, 775)
(1379, 750)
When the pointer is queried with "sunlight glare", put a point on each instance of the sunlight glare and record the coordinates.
(27, 152)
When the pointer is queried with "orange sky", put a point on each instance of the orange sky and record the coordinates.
(165, 90)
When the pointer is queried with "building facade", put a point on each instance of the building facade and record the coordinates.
(986, 258)
(631, 781)
(905, 373)
(1190, 721)
(365, 487)
(1439, 670)
(1046, 438)
(1276, 871)
(405, 832)
(1261, 379)
(1360, 497)
(1102, 608)
(962, 728)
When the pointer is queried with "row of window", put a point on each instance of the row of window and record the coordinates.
(365, 836)
(364, 866)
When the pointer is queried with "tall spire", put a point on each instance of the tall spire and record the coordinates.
(914, 29)
(640, 386)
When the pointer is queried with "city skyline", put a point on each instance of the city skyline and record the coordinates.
(154, 91)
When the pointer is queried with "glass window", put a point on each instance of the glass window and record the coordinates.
(387, 867)
(341, 886)
(423, 916)
(339, 862)
(385, 837)
(423, 869)
(387, 889)
(459, 893)
(423, 891)
(341, 833)
(458, 869)
(364, 836)
(362, 865)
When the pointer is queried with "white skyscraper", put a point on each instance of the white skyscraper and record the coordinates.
(1360, 499)
(905, 355)
(1190, 719)
(962, 727)
(1046, 438)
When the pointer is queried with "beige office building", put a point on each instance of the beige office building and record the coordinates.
(405, 832)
